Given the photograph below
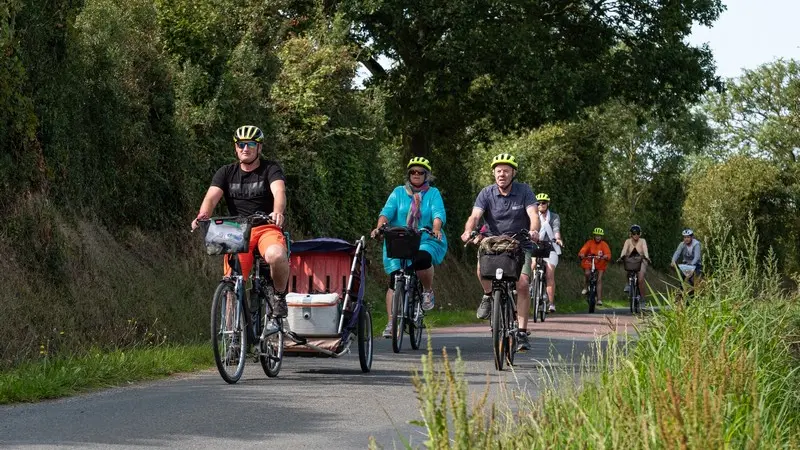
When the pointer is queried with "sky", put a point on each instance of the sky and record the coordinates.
(750, 33)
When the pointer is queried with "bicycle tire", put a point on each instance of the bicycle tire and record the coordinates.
(365, 339)
(223, 341)
(636, 298)
(414, 328)
(510, 340)
(592, 296)
(398, 315)
(271, 352)
(498, 333)
(543, 304)
(536, 296)
(631, 295)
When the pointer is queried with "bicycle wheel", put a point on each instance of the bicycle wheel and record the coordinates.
(510, 338)
(543, 303)
(397, 315)
(498, 333)
(635, 297)
(228, 333)
(271, 352)
(415, 317)
(536, 296)
(592, 296)
(365, 339)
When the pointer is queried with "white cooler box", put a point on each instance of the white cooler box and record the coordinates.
(313, 314)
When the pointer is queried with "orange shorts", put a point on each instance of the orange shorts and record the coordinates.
(264, 236)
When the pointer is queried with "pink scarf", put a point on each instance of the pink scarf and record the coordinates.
(415, 210)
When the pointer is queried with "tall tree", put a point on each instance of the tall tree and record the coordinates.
(641, 146)
(509, 64)
(759, 113)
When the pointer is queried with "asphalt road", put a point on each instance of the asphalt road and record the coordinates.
(315, 403)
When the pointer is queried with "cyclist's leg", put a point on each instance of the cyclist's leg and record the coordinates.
(550, 277)
(586, 274)
(387, 331)
(600, 285)
(524, 294)
(642, 271)
(485, 306)
(423, 264)
(272, 246)
(485, 284)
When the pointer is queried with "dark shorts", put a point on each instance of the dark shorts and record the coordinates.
(422, 261)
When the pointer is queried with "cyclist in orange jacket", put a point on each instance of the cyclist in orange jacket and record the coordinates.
(595, 247)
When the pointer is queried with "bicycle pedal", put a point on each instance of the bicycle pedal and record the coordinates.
(298, 339)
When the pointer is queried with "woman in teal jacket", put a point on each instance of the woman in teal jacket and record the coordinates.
(417, 205)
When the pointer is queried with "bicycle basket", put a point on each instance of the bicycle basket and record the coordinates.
(633, 263)
(401, 242)
(687, 269)
(501, 252)
(542, 250)
(226, 235)
(511, 263)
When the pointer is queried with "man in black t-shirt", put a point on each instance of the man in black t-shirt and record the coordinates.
(249, 186)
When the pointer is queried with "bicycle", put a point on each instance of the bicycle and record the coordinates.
(686, 275)
(504, 268)
(235, 321)
(633, 265)
(538, 286)
(403, 243)
(591, 293)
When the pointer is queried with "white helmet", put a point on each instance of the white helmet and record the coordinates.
(688, 232)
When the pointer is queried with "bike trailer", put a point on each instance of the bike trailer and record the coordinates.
(326, 290)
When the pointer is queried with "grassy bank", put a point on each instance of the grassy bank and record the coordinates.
(721, 373)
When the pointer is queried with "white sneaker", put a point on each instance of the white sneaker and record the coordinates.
(552, 308)
(599, 303)
(427, 301)
(627, 288)
(387, 332)
(584, 291)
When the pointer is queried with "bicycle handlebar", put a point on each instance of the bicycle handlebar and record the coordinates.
(266, 219)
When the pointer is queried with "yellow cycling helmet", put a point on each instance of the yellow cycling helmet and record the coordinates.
(248, 133)
(542, 197)
(419, 161)
(598, 231)
(504, 158)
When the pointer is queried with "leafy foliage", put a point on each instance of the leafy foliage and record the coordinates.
(740, 186)
(759, 113)
(509, 65)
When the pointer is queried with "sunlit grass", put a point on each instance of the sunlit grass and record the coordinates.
(62, 376)
(721, 373)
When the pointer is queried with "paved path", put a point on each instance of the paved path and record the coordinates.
(315, 403)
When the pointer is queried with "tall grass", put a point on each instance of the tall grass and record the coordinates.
(721, 373)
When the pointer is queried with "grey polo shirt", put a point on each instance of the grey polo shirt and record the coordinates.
(506, 213)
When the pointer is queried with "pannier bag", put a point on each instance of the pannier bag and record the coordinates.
(402, 242)
(501, 252)
(633, 263)
(226, 235)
